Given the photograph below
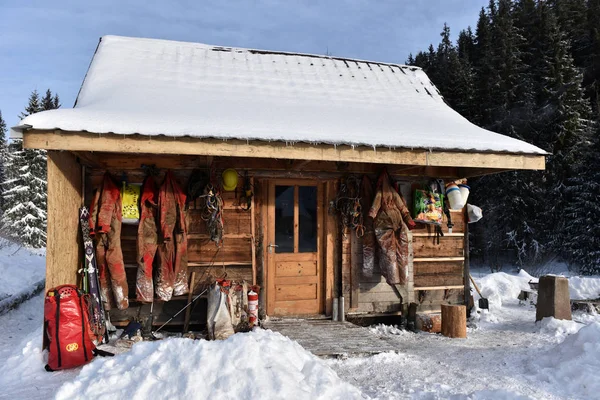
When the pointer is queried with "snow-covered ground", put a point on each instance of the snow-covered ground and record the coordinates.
(22, 273)
(506, 356)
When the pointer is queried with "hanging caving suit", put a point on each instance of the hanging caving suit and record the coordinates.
(105, 226)
(369, 240)
(147, 241)
(171, 276)
(391, 217)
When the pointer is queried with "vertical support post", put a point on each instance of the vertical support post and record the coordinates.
(253, 232)
(63, 243)
(331, 249)
(466, 264)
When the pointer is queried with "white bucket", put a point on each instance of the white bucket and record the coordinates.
(464, 192)
(454, 197)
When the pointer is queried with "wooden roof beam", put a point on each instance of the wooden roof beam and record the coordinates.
(85, 141)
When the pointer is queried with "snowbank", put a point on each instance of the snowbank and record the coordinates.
(558, 328)
(23, 273)
(584, 287)
(260, 364)
(573, 365)
(502, 288)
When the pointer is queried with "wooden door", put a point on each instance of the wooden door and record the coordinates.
(294, 243)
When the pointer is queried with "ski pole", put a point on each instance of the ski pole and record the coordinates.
(180, 311)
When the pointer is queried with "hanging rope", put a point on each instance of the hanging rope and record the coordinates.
(211, 209)
(347, 204)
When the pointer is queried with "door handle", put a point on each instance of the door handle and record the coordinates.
(270, 247)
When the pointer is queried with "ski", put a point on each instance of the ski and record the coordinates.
(91, 272)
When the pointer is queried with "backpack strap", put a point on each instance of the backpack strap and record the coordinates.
(102, 353)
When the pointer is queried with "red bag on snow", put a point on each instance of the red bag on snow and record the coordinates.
(66, 328)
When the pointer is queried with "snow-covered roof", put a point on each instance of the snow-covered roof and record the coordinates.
(160, 87)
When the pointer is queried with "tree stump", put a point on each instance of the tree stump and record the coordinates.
(454, 321)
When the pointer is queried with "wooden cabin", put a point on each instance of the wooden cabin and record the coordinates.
(295, 124)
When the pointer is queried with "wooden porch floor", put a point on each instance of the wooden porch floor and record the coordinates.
(329, 339)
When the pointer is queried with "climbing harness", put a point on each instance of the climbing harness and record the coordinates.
(347, 204)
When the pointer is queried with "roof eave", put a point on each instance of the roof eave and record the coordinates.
(110, 142)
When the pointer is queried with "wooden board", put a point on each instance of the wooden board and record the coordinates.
(63, 245)
(84, 141)
(296, 268)
(451, 246)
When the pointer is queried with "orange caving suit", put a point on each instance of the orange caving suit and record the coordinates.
(147, 241)
(391, 217)
(171, 275)
(105, 225)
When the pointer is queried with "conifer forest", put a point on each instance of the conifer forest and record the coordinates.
(531, 70)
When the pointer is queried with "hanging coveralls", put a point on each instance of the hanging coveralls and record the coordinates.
(147, 241)
(171, 276)
(391, 217)
(105, 226)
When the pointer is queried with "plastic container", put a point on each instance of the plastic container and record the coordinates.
(454, 197)
(252, 308)
(464, 192)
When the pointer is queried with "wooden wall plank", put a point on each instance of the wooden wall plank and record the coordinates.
(63, 246)
(451, 246)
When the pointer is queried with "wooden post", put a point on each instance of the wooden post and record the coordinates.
(454, 321)
(63, 247)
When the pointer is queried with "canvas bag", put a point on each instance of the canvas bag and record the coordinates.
(429, 203)
(66, 328)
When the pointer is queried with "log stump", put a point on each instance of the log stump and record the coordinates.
(454, 321)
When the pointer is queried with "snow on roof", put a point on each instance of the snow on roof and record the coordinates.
(160, 87)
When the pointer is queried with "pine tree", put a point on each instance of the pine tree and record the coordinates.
(3, 157)
(25, 186)
(582, 232)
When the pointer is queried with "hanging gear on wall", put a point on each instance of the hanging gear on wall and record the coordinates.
(391, 222)
(369, 241)
(246, 198)
(196, 184)
(105, 226)
(230, 179)
(212, 213)
(171, 274)
(348, 204)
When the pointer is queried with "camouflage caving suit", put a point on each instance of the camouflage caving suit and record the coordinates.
(147, 241)
(171, 275)
(105, 226)
(391, 221)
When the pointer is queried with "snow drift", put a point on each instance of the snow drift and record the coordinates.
(584, 288)
(260, 364)
(573, 365)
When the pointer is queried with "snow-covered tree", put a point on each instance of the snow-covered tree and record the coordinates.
(25, 186)
(3, 155)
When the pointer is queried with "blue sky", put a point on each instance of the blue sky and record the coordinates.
(49, 44)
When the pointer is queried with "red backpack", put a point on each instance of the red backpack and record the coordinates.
(67, 328)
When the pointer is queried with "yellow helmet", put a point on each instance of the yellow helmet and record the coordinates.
(230, 179)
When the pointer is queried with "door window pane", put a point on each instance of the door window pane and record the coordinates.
(284, 219)
(307, 218)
